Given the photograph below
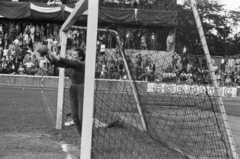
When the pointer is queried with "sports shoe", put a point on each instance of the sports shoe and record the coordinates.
(70, 122)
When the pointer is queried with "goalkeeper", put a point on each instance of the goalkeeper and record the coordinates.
(75, 68)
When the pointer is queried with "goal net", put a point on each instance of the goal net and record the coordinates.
(152, 101)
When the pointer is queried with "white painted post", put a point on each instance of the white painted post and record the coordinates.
(61, 83)
(210, 67)
(134, 89)
(88, 106)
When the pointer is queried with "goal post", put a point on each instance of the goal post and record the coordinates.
(59, 118)
(213, 78)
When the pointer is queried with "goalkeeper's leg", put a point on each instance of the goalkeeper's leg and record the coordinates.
(76, 102)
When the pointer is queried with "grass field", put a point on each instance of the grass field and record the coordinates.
(28, 111)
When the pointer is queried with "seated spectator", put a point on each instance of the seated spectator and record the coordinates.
(4, 66)
(34, 60)
(98, 69)
(29, 66)
(116, 74)
(12, 65)
(235, 76)
(124, 74)
(189, 78)
(238, 79)
(104, 72)
(21, 69)
(138, 72)
(183, 77)
(149, 73)
(42, 71)
(228, 81)
(12, 52)
(218, 78)
(6, 53)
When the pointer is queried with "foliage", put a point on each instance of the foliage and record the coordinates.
(216, 25)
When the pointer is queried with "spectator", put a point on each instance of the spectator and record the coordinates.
(116, 74)
(16, 45)
(170, 42)
(143, 44)
(21, 69)
(4, 65)
(12, 65)
(29, 66)
(228, 81)
(104, 72)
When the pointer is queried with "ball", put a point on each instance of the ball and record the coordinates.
(43, 50)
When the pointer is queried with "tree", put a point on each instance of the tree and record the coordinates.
(215, 24)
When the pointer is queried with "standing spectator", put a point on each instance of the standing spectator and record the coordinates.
(32, 33)
(37, 33)
(153, 41)
(42, 33)
(145, 61)
(170, 42)
(55, 31)
(1, 29)
(20, 38)
(138, 61)
(26, 40)
(69, 39)
(184, 62)
(12, 33)
(6, 41)
(231, 64)
(49, 42)
(143, 44)
(18, 29)
(129, 39)
(16, 45)
(49, 30)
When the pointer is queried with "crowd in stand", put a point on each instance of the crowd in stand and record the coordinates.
(18, 57)
(181, 70)
(17, 42)
(196, 71)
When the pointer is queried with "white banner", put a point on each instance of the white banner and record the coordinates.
(229, 91)
(45, 9)
(180, 89)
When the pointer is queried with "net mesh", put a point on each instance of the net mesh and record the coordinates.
(174, 91)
